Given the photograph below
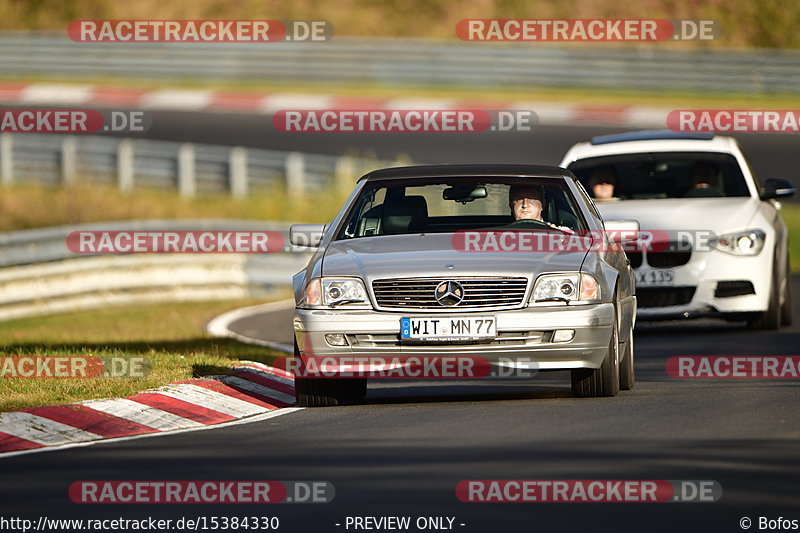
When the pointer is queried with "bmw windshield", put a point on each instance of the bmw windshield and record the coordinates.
(657, 175)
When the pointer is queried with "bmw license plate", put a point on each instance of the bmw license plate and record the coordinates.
(655, 278)
(450, 328)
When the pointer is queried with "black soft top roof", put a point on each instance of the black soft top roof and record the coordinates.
(442, 171)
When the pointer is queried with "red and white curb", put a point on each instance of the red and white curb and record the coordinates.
(252, 392)
(549, 113)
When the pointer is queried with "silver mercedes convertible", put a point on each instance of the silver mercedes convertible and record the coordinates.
(509, 264)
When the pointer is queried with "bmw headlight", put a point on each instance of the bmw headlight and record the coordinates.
(333, 292)
(749, 242)
(568, 288)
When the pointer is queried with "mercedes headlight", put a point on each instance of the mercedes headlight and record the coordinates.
(749, 242)
(334, 292)
(578, 288)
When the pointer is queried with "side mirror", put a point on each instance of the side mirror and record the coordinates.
(308, 235)
(622, 230)
(777, 188)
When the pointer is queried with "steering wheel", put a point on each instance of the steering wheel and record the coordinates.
(524, 223)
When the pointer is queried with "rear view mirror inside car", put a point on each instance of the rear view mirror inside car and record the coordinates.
(464, 193)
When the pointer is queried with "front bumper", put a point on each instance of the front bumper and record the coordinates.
(524, 336)
(702, 277)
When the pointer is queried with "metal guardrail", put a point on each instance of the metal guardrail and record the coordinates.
(404, 62)
(35, 246)
(94, 282)
(54, 159)
(40, 275)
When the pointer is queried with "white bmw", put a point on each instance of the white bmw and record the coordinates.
(716, 244)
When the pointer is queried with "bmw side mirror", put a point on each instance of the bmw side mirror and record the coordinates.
(307, 235)
(777, 188)
(622, 230)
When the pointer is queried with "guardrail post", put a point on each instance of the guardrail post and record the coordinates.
(237, 168)
(69, 160)
(187, 184)
(125, 165)
(295, 174)
(344, 175)
(6, 159)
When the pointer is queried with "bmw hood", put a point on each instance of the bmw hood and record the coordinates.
(718, 215)
(438, 255)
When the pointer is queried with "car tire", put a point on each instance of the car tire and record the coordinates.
(771, 318)
(627, 377)
(603, 381)
(326, 392)
(787, 311)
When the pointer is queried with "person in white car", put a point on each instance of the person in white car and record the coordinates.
(705, 182)
(602, 182)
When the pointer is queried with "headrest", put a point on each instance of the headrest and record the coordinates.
(408, 214)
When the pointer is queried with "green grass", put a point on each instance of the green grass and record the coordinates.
(766, 23)
(170, 336)
(36, 206)
(791, 215)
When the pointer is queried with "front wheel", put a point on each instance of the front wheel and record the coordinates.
(627, 377)
(603, 381)
(324, 392)
(771, 318)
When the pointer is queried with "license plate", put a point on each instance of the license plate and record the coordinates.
(655, 278)
(451, 328)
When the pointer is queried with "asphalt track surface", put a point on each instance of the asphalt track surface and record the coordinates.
(403, 452)
(771, 155)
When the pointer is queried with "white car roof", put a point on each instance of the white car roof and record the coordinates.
(603, 146)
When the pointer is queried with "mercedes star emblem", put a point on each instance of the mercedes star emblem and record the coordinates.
(449, 293)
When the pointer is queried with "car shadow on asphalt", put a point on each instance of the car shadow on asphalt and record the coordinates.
(549, 385)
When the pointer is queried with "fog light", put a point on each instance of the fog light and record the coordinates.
(336, 339)
(563, 335)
